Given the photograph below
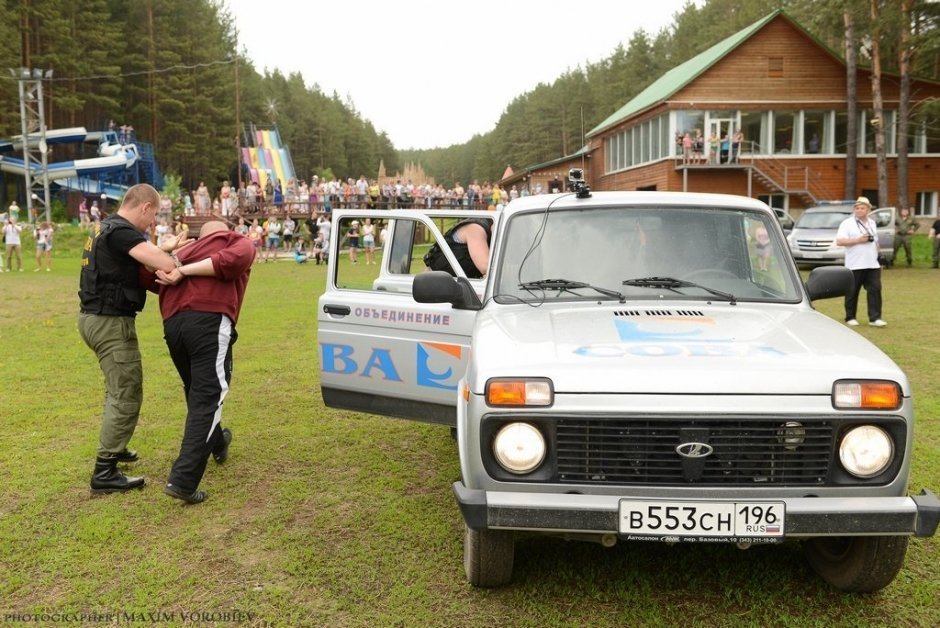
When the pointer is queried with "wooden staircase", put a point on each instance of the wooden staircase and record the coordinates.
(801, 181)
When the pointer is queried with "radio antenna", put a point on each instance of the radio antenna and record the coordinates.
(583, 140)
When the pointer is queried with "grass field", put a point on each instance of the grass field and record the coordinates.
(329, 518)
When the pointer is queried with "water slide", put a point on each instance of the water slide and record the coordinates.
(75, 174)
(268, 159)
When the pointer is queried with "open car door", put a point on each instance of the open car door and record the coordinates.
(884, 220)
(381, 351)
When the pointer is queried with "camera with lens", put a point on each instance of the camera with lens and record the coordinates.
(576, 183)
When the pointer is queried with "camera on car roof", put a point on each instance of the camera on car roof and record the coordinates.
(576, 183)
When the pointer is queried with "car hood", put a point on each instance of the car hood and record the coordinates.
(691, 348)
(814, 234)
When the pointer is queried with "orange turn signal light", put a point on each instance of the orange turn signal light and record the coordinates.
(519, 392)
(866, 395)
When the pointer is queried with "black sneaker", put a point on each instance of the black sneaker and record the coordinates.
(222, 455)
(196, 497)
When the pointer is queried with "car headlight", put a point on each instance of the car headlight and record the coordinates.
(866, 451)
(519, 447)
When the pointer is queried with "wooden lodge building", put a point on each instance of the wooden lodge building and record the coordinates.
(786, 92)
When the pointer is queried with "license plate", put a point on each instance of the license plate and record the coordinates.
(813, 255)
(706, 521)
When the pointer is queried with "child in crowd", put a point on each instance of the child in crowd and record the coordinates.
(320, 246)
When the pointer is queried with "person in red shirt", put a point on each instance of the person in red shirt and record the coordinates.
(200, 301)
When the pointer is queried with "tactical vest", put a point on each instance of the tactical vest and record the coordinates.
(109, 283)
(435, 260)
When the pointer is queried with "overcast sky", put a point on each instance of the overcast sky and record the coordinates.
(435, 73)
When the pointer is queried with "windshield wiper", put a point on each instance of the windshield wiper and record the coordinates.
(671, 283)
(566, 285)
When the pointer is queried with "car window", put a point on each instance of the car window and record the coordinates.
(400, 246)
(352, 270)
(734, 251)
(882, 218)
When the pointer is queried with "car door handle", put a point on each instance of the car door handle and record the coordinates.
(339, 310)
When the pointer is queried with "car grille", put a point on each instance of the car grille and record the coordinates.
(746, 452)
(814, 245)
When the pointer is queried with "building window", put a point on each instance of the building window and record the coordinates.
(654, 138)
(867, 125)
(689, 122)
(778, 201)
(664, 135)
(626, 149)
(931, 132)
(754, 127)
(841, 132)
(784, 132)
(891, 123)
(816, 132)
(925, 204)
(775, 67)
(644, 143)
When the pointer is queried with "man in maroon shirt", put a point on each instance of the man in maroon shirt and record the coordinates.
(200, 300)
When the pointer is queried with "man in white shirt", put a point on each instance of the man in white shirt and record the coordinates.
(859, 235)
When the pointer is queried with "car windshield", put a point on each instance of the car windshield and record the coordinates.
(821, 220)
(624, 253)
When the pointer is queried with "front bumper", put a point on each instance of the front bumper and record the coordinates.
(818, 259)
(806, 516)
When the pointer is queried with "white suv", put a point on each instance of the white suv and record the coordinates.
(636, 366)
(813, 237)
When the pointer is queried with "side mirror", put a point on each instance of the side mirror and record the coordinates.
(827, 282)
(438, 286)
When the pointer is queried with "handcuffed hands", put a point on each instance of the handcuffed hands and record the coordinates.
(169, 279)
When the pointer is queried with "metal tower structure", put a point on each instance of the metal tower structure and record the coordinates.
(33, 124)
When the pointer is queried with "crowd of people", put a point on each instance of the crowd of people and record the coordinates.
(42, 232)
(322, 196)
(722, 149)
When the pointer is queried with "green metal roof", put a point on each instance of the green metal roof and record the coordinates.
(681, 75)
(582, 151)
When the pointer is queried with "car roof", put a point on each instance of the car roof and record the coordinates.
(638, 199)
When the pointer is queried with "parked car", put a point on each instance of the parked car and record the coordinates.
(641, 366)
(785, 219)
(813, 238)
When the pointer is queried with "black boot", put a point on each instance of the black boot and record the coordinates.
(107, 478)
(128, 455)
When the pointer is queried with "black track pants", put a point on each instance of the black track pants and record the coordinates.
(201, 347)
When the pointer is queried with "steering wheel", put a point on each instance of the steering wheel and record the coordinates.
(710, 272)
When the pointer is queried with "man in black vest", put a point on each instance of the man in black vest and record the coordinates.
(111, 296)
(469, 240)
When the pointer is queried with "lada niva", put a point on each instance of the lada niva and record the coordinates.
(635, 366)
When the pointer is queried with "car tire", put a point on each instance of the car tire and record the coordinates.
(488, 556)
(859, 564)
